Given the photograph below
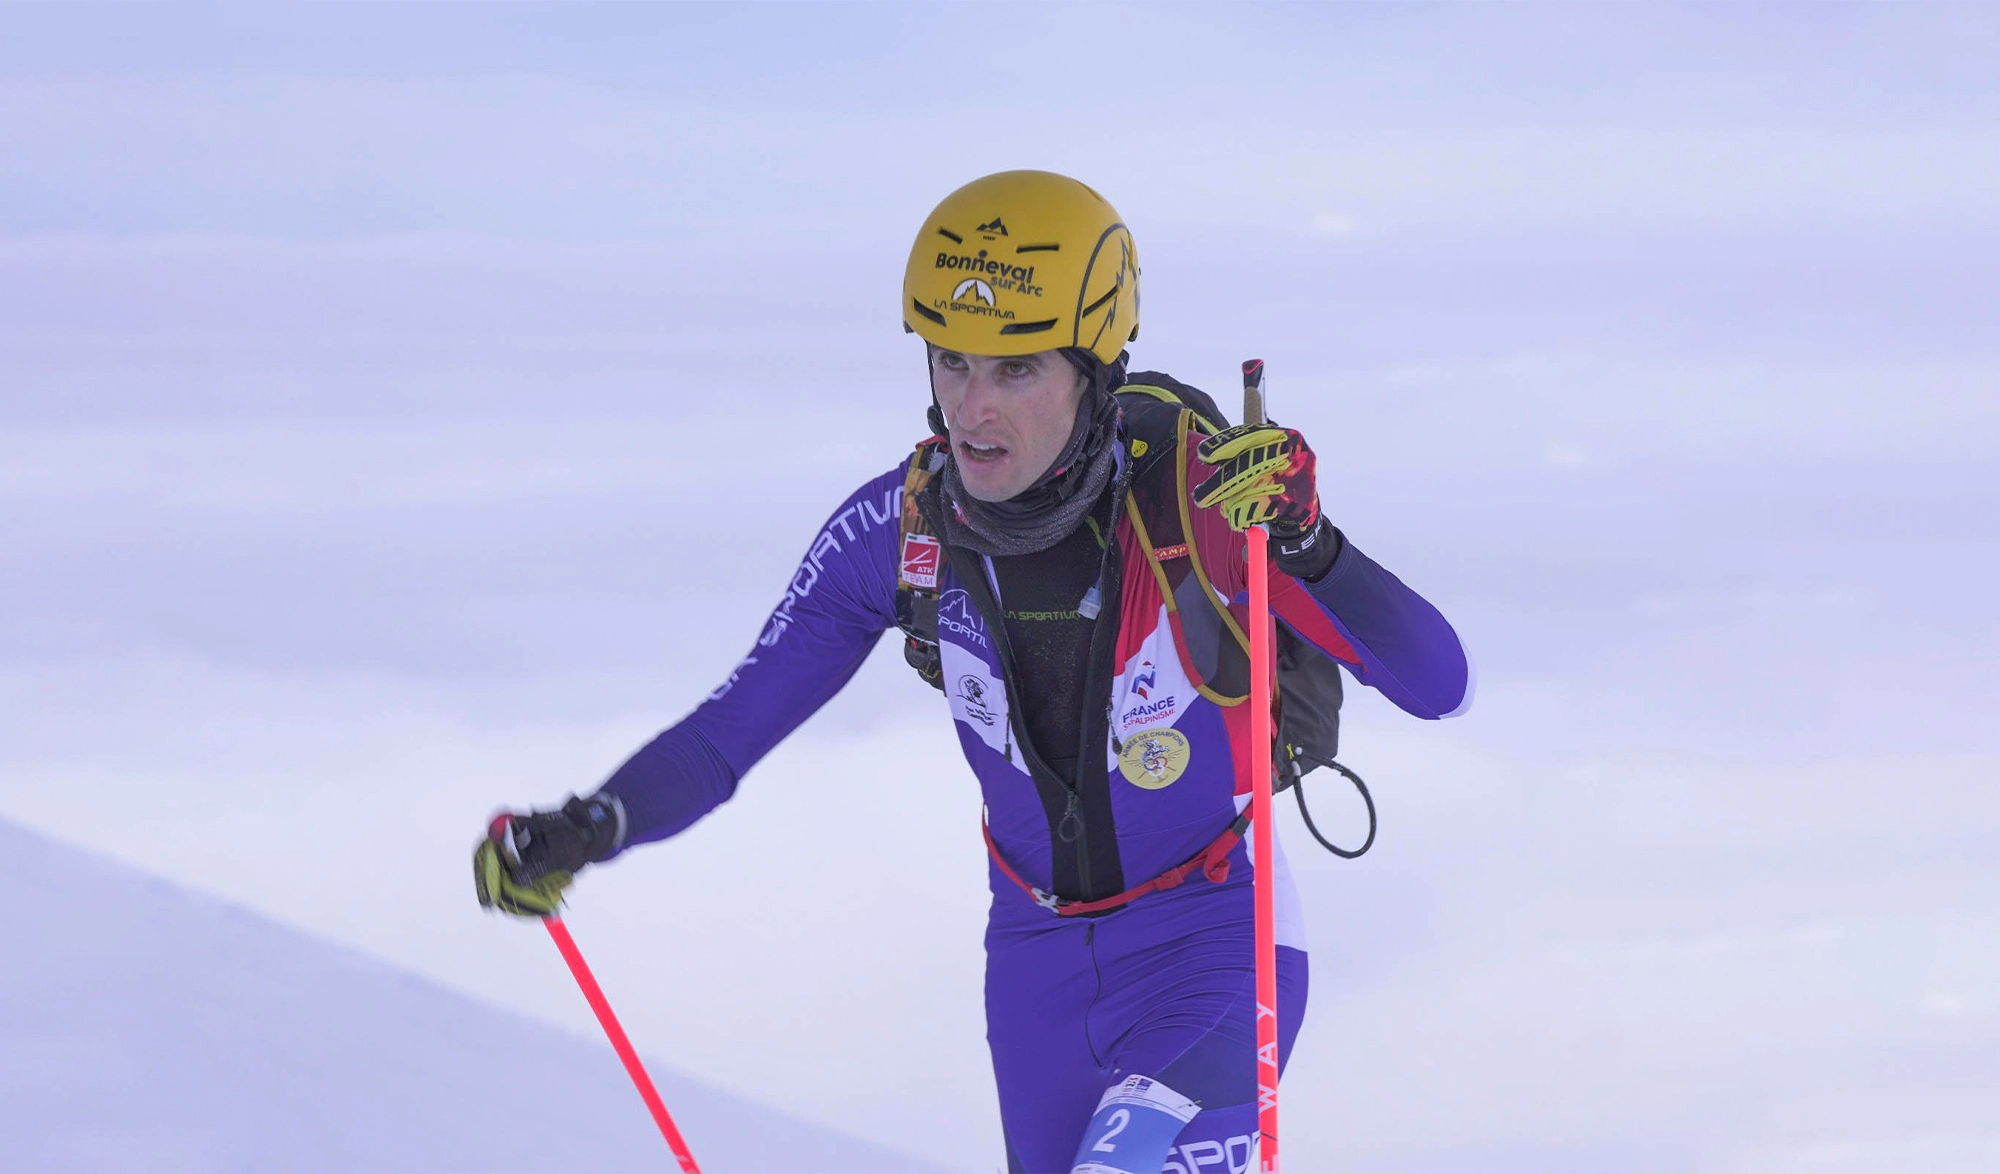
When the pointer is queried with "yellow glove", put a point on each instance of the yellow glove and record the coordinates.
(498, 889)
(1263, 473)
(527, 860)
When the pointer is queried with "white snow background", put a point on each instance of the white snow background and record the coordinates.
(406, 411)
(152, 1029)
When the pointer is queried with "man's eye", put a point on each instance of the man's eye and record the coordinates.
(1019, 370)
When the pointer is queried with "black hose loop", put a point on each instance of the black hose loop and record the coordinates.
(1299, 792)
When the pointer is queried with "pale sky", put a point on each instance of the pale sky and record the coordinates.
(406, 411)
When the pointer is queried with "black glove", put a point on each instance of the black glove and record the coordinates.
(526, 860)
(1305, 554)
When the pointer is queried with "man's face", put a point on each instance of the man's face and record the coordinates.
(1009, 417)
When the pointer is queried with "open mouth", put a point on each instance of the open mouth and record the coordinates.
(980, 454)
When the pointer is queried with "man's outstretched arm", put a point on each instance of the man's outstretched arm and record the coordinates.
(835, 608)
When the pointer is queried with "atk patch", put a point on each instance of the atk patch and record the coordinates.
(921, 556)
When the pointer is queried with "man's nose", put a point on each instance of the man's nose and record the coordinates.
(976, 406)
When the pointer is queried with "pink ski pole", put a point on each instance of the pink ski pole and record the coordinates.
(1264, 889)
(594, 995)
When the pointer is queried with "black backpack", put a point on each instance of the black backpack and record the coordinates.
(1308, 680)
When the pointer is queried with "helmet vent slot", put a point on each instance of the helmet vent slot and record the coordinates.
(951, 236)
(926, 311)
(1028, 327)
(1038, 249)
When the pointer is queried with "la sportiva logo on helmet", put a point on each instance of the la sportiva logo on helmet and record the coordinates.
(977, 288)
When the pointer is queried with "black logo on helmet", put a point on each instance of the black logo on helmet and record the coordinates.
(1112, 301)
(998, 274)
(992, 227)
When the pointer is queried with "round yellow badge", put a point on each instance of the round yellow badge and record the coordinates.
(1154, 758)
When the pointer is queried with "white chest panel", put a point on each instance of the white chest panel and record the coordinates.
(977, 696)
(1152, 691)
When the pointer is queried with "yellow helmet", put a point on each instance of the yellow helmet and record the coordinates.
(1023, 261)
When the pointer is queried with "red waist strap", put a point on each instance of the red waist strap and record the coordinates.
(1213, 861)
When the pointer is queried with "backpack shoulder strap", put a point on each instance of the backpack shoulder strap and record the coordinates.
(919, 560)
(914, 571)
(1166, 416)
(1159, 385)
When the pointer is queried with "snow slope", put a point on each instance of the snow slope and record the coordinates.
(146, 1027)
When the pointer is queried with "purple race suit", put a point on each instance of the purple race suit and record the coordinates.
(1163, 987)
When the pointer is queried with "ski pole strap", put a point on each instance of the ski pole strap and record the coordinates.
(1213, 861)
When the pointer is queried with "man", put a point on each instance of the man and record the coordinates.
(1065, 557)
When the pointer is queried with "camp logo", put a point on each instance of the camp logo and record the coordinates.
(992, 228)
(1145, 703)
(921, 558)
(977, 288)
(1154, 759)
(972, 699)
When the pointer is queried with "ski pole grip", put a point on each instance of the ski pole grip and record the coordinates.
(1253, 391)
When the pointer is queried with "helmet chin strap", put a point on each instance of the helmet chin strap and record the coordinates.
(934, 414)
